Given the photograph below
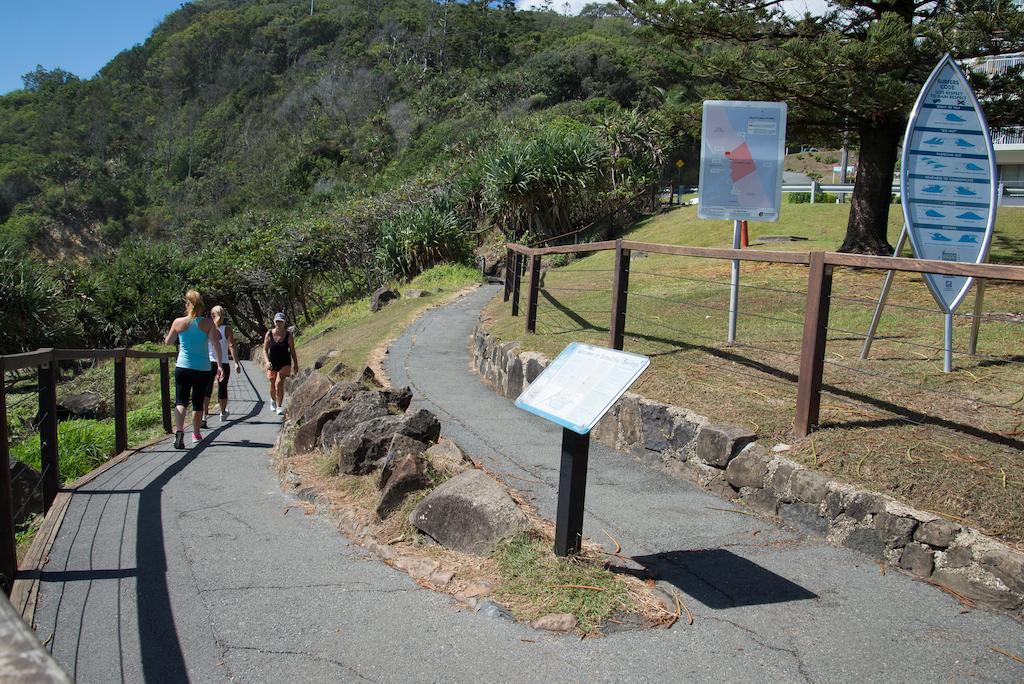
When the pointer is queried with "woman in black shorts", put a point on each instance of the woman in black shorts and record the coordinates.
(194, 332)
(282, 361)
(227, 344)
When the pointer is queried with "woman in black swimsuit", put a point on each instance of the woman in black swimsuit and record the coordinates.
(282, 361)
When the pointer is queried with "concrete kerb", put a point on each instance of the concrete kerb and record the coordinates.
(728, 461)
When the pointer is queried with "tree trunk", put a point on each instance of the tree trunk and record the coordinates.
(866, 231)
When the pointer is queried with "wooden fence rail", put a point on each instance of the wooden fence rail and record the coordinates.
(819, 286)
(45, 362)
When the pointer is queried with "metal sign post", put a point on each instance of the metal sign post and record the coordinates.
(882, 298)
(574, 391)
(572, 492)
(948, 191)
(734, 282)
(743, 146)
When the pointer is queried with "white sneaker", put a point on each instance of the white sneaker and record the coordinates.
(273, 405)
(280, 411)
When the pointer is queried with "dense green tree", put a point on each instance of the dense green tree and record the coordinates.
(856, 67)
(280, 160)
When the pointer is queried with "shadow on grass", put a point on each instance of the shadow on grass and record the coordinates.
(903, 414)
(719, 578)
(1009, 249)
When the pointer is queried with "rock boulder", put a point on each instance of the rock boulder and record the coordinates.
(381, 296)
(362, 408)
(310, 391)
(469, 513)
(84, 405)
(366, 443)
(404, 472)
(446, 457)
(400, 447)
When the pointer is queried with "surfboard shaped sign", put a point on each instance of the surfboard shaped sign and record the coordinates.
(949, 171)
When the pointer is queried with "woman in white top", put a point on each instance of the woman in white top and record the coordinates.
(226, 342)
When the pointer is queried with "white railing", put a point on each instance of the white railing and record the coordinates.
(993, 66)
(1006, 188)
(1009, 136)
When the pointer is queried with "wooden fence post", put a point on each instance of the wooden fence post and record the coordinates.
(50, 464)
(533, 294)
(165, 393)
(120, 402)
(508, 275)
(517, 278)
(8, 545)
(812, 354)
(620, 293)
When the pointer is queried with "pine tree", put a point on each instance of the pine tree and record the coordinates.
(857, 68)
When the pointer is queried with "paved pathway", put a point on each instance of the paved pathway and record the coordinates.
(768, 603)
(193, 565)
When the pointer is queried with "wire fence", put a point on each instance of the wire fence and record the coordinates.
(677, 312)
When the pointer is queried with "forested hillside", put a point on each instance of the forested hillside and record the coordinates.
(283, 159)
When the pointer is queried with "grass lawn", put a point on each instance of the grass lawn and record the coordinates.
(949, 443)
(356, 331)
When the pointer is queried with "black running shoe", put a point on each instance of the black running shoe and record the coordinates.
(179, 440)
(205, 426)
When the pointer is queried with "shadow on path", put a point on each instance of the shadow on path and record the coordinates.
(162, 658)
(719, 578)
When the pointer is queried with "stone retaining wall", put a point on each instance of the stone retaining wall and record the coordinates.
(728, 461)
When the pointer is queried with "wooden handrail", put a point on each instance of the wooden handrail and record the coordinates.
(40, 357)
(46, 362)
(992, 271)
(905, 264)
(801, 258)
(96, 354)
(13, 362)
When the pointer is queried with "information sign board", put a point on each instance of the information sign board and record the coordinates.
(949, 189)
(741, 158)
(581, 384)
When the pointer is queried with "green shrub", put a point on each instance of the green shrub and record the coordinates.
(82, 445)
(805, 198)
(143, 419)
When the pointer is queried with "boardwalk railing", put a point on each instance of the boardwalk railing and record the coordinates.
(45, 361)
(816, 309)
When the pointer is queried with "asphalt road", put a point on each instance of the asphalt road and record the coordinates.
(194, 566)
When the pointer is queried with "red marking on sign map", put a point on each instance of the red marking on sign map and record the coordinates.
(741, 163)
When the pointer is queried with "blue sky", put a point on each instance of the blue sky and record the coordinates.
(79, 36)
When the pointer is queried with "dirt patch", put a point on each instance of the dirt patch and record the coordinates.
(523, 575)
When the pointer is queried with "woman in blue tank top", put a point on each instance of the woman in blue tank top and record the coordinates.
(194, 334)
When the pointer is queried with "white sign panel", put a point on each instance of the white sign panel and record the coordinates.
(579, 386)
(949, 171)
(742, 149)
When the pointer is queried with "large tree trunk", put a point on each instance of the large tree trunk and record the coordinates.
(869, 211)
